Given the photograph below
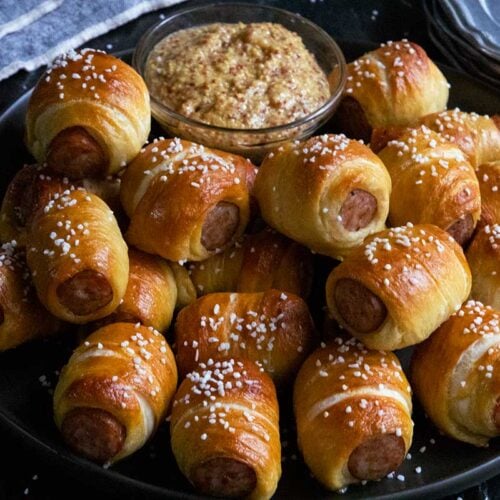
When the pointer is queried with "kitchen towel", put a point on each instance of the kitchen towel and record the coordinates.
(34, 32)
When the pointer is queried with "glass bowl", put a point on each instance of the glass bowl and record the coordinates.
(251, 143)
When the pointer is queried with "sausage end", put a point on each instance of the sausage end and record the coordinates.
(358, 210)
(93, 433)
(377, 457)
(224, 477)
(85, 292)
(359, 307)
(462, 229)
(220, 225)
(75, 153)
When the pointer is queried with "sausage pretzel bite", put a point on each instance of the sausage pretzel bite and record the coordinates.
(353, 413)
(88, 116)
(432, 182)
(29, 191)
(77, 257)
(272, 328)
(115, 391)
(483, 256)
(393, 85)
(397, 288)
(22, 317)
(256, 263)
(152, 292)
(224, 430)
(33, 187)
(186, 292)
(186, 201)
(488, 175)
(478, 136)
(327, 193)
(463, 355)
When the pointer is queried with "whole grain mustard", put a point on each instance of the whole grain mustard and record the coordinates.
(244, 76)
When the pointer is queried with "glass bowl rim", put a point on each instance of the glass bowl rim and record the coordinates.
(138, 61)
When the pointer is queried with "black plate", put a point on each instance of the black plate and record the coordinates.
(28, 373)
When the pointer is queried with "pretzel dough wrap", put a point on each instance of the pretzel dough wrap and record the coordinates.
(432, 182)
(463, 354)
(186, 201)
(224, 430)
(353, 413)
(271, 328)
(327, 193)
(89, 115)
(397, 288)
(483, 256)
(256, 263)
(22, 317)
(77, 257)
(394, 84)
(115, 391)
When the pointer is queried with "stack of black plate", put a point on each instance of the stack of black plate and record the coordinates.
(468, 34)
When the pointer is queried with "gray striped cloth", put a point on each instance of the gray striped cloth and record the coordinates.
(33, 32)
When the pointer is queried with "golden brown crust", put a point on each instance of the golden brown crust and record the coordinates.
(272, 328)
(22, 316)
(29, 191)
(194, 179)
(464, 355)
(488, 175)
(127, 371)
(95, 92)
(345, 396)
(256, 263)
(186, 292)
(34, 186)
(228, 409)
(151, 293)
(301, 189)
(108, 189)
(432, 181)
(420, 275)
(483, 256)
(76, 232)
(394, 85)
(476, 135)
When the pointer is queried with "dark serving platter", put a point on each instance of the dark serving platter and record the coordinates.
(28, 374)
